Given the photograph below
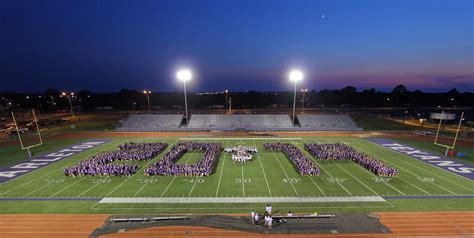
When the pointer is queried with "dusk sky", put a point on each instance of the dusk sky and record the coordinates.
(240, 45)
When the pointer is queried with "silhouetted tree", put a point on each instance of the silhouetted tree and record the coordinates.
(399, 89)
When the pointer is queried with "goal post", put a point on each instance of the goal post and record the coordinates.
(23, 147)
(452, 146)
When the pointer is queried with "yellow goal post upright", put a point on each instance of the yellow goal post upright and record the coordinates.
(448, 147)
(23, 147)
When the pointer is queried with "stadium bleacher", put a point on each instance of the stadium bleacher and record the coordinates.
(327, 123)
(251, 122)
(237, 122)
(151, 122)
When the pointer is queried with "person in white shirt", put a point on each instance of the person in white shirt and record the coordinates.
(268, 222)
(290, 214)
(256, 219)
(253, 216)
(268, 209)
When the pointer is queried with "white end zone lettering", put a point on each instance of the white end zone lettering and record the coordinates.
(445, 163)
(31, 164)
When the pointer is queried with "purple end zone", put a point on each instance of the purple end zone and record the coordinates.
(29, 165)
(441, 162)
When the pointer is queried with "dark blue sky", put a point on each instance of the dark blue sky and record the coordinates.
(236, 44)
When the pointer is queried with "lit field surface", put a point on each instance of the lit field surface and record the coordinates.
(239, 187)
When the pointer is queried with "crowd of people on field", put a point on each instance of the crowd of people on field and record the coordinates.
(241, 153)
(167, 164)
(304, 165)
(339, 151)
(102, 163)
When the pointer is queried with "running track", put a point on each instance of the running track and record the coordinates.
(440, 224)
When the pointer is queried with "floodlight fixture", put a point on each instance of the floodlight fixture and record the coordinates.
(184, 75)
(147, 93)
(295, 75)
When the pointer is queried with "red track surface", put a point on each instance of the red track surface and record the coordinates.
(440, 224)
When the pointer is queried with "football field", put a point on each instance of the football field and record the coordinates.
(268, 175)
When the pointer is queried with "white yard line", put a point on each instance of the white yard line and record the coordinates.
(90, 188)
(371, 174)
(398, 168)
(437, 175)
(44, 175)
(222, 171)
(64, 189)
(174, 178)
(287, 177)
(141, 169)
(194, 185)
(341, 167)
(36, 190)
(169, 185)
(315, 184)
(312, 180)
(433, 173)
(365, 185)
(196, 181)
(389, 185)
(243, 179)
(315, 160)
(261, 165)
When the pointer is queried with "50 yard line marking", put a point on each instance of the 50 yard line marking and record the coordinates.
(261, 165)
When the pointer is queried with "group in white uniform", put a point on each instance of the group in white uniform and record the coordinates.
(268, 220)
(241, 153)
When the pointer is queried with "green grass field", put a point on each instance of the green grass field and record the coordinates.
(267, 175)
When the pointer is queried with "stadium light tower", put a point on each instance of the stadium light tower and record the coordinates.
(69, 95)
(147, 93)
(185, 75)
(295, 76)
(304, 91)
(226, 99)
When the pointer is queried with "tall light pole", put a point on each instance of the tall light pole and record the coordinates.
(185, 75)
(147, 93)
(295, 76)
(69, 95)
(304, 92)
(226, 99)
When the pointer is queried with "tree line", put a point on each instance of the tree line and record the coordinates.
(126, 99)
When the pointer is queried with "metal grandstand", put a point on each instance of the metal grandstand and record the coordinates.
(237, 122)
